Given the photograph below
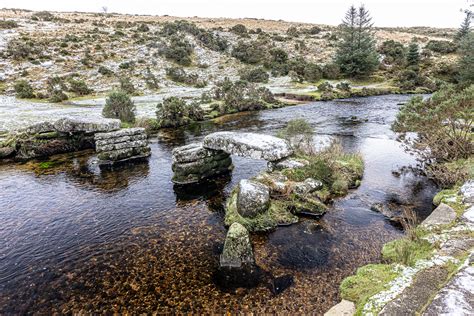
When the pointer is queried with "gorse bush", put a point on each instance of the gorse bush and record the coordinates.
(119, 105)
(24, 90)
(8, 24)
(56, 87)
(393, 51)
(79, 87)
(42, 16)
(23, 48)
(127, 86)
(178, 50)
(257, 74)
(241, 96)
(174, 112)
(249, 53)
(207, 38)
(442, 47)
(178, 74)
(443, 122)
(239, 29)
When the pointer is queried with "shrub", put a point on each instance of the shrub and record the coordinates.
(241, 96)
(22, 48)
(8, 24)
(179, 50)
(331, 71)
(174, 112)
(119, 105)
(312, 72)
(249, 53)
(466, 60)
(325, 86)
(143, 28)
(24, 90)
(344, 86)
(178, 74)
(442, 47)
(277, 62)
(104, 71)
(443, 122)
(239, 29)
(42, 16)
(394, 52)
(56, 87)
(292, 31)
(150, 80)
(127, 65)
(257, 74)
(127, 86)
(79, 87)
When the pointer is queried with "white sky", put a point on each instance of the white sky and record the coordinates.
(437, 13)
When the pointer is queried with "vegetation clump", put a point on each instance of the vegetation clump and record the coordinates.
(178, 50)
(8, 24)
(79, 87)
(178, 74)
(174, 112)
(442, 47)
(119, 105)
(241, 96)
(443, 124)
(257, 74)
(24, 90)
(249, 52)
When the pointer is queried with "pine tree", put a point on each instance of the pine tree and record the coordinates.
(413, 56)
(466, 60)
(465, 27)
(356, 54)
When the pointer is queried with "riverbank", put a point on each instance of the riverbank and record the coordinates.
(428, 273)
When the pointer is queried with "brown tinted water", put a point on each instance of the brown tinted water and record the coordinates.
(74, 238)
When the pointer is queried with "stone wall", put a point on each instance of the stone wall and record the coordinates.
(122, 145)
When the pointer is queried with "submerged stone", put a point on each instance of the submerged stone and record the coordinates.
(237, 248)
(253, 198)
(252, 145)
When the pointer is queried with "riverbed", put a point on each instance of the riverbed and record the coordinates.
(77, 238)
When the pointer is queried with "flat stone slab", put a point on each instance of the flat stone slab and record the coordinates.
(70, 125)
(120, 133)
(457, 297)
(441, 215)
(414, 297)
(252, 145)
(193, 152)
(343, 308)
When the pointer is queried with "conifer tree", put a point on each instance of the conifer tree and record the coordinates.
(356, 54)
(413, 56)
(465, 27)
(466, 60)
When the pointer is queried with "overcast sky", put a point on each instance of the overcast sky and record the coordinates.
(437, 13)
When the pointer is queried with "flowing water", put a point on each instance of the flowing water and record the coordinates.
(76, 238)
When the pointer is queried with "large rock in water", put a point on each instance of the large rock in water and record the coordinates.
(253, 198)
(237, 247)
(193, 163)
(250, 145)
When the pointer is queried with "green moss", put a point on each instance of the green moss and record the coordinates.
(445, 196)
(277, 214)
(47, 164)
(367, 281)
(406, 251)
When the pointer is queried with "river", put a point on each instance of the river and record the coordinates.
(76, 238)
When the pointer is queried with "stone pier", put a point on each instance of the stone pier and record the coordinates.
(122, 145)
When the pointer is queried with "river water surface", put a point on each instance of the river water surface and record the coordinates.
(74, 238)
